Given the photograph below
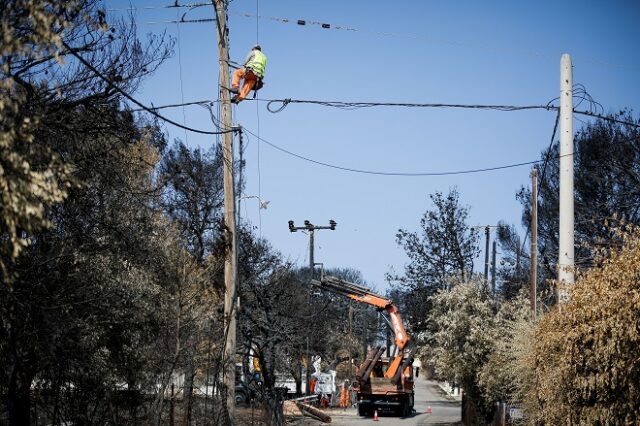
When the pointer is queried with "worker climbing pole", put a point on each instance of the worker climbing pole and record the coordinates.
(252, 73)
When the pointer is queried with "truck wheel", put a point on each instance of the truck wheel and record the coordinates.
(402, 410)
(241, 398)
(361, 411)
(407, 409)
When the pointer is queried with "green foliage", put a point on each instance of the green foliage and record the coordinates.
(515, 266)
(476, 346)
(503, 375)
(39, 90)
(464, 337)
(194, 196)
(31, 177)
(444, 248)
(607, 188)
(82, 241)
(88, 301)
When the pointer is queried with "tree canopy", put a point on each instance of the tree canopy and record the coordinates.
(606, 182)
(445, 247)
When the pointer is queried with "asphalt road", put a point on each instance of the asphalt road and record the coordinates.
(444, 411)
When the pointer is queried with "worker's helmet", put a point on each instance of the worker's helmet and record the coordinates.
(257, 47)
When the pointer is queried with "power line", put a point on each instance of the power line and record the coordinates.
(184, 115)
(358, 105)
(134, 100)
(183, 21)
(544, 169)
(326, 25)
(607, 118)
(176, 5)
(155, 108)
(383, 173)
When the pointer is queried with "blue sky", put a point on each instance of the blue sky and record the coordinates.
(468, 52)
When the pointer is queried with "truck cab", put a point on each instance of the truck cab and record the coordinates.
(377, 393)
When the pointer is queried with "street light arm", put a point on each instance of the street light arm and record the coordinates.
(263, 203)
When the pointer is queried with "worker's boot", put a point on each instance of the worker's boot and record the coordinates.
(235, 100)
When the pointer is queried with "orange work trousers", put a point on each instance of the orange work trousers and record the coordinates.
(344, 398)
(250, 80)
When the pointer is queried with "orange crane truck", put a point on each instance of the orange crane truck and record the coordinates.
(382, 384)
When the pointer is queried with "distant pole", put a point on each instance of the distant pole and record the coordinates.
(312, 263)
(534, 242)
(351, 334)
(230, 261)
(566, 231)
(311, 228)
(486, 257)
(311, 268)
(493, 270)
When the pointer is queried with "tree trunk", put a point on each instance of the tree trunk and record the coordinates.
(296, 373)
(314, 412)
(299, 384)
(190, 373)
(19, 398)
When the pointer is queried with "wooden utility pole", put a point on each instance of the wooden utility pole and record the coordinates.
(487, 229)
(493, 270)
(230, 261)
(534, 241)
(312, 262)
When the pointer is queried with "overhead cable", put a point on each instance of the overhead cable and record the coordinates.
(166, 6)
(155, 108)
(391, 173)
(358, 105)
(326, 25)
(135, 101)
(544, 168)
(183, 21)
(608, 118)
(343, 105)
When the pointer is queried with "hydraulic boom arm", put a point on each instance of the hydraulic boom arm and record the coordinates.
(365, 295)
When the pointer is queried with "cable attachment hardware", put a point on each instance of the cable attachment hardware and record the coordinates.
(284, 102)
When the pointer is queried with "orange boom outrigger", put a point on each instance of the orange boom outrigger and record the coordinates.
(372, 394)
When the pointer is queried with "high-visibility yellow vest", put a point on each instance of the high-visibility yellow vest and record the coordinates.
(258, 63)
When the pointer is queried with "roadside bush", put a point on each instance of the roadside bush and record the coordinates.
(585, 355)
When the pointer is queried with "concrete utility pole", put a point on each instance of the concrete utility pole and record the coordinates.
(566, 231)
(311, 228)
(534, 242)
(230, 261)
